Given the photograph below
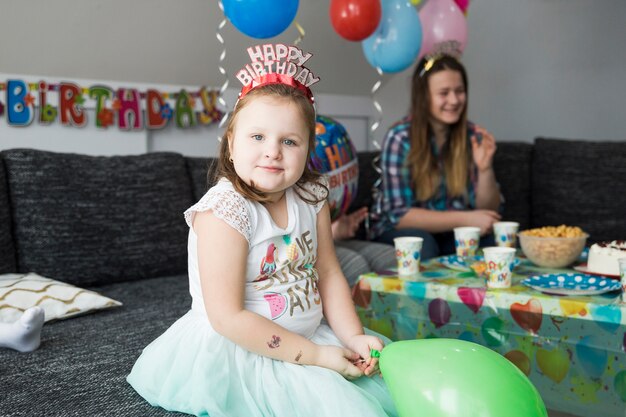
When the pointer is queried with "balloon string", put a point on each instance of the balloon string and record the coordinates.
(379, 109)
(222, 70)
(375, 161)
(301, 33)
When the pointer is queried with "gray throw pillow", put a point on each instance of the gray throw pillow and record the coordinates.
(91, 220)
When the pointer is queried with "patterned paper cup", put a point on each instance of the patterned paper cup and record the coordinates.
(622, 275)
(499, 266)
(466, 240)
(408, 255)
(505, 234)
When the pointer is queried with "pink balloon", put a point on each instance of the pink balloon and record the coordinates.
(442, 21)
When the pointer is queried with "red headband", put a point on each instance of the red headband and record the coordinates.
(275, 78)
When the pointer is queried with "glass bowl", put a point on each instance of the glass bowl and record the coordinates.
(552, 252)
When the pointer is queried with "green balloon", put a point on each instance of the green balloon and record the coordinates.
(455, 378)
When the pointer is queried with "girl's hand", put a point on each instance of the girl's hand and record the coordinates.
(341, 360)
(345, 226)
(483, 150)
(484, 219)
(363, 345)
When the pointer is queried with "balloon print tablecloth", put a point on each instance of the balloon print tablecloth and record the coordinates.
(571, 347)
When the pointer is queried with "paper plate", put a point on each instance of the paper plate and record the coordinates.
(460, 263)
(583, 268)
(571, 284)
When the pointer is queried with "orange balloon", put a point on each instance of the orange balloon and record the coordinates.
(355, 20)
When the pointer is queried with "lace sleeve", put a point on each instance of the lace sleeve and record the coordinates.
(318, 191)
(227, 205)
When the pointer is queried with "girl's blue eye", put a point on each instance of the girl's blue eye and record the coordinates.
(289, 142)
(257, 137)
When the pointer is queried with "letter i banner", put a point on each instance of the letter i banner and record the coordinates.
(68, 103)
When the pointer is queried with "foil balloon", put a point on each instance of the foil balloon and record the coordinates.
(396, 42)
(355, 20)
(455, 378)
(261, 19)
(442, 23)
(336, 157)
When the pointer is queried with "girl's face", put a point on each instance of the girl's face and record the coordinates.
(447, 96)
(269, 144)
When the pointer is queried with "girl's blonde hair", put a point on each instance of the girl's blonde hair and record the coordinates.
(456, 154)
(226, 169)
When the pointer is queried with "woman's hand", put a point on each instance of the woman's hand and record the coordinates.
(363, 345)
(341, 360)
(345, 226)
(483, 150)
(484, 219)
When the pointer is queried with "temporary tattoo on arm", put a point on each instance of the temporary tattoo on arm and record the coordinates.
(274, 343)
(299, 356)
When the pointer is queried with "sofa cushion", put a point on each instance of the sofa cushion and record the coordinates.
(580, 183)
(511, 164)
(201, 172)
(7, 248)
(93, 220)
(80, 368)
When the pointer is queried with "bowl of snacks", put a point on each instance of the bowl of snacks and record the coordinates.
(553, 246)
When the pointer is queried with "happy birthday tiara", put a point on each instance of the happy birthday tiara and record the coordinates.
(277, 64)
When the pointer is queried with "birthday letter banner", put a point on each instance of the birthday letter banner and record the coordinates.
(126, 108)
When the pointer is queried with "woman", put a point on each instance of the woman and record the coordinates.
(437, 171)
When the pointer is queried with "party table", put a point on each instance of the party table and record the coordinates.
(573, 348)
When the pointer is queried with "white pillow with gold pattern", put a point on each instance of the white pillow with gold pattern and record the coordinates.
(60, 300)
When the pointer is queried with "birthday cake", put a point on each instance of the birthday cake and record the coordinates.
(603, 257)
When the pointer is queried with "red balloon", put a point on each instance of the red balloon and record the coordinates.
(355, 20)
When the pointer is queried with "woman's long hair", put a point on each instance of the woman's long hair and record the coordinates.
(456, 155)
(226, 169)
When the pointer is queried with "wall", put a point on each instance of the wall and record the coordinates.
(352, 111)
(537, 67)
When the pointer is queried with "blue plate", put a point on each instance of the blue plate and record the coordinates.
(571, 284)
(460, 263)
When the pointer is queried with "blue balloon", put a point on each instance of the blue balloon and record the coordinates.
(396, 42)
(260, 19)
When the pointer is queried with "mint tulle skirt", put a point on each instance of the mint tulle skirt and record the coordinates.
(193, 369)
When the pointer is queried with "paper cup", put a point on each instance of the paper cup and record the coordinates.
(466, 240)
(505, 234)
(408, 254)
(499, 263)
(622, 275)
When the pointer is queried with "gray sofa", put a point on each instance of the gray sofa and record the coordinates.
(114, 225)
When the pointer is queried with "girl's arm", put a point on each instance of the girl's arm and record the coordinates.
(336, 296)
(222, 259)
(435, 221)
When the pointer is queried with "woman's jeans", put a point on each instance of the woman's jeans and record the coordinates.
(435, 244)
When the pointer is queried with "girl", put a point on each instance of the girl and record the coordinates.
(262, 273)
(437, 171)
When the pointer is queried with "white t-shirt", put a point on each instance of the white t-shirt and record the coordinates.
(281, 279)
